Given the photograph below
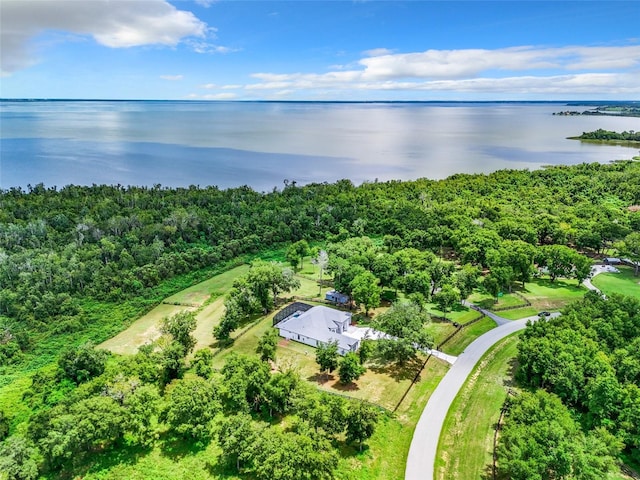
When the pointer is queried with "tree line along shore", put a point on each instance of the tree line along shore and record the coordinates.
(79, 264)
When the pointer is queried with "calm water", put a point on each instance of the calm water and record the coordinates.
(261, 144)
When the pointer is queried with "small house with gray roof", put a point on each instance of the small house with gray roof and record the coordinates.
(319, 325)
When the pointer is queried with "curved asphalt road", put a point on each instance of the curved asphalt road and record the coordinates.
(422, 453)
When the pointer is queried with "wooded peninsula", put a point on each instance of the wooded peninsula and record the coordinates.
(82, 264)
(608, 136)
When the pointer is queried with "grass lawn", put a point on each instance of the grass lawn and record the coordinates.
(517, 313)
(440, 330)
(143, 330)
(386, 455)
(624, 282)
(546, 295)
(464, 337)
(215, 286)
(466, 444)
(459, 313)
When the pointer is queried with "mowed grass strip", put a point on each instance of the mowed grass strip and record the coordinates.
(624, 282)
(215, 286)
(518, 313)
(466, 445)
(466, 335)
(547, 295)
(144, 330)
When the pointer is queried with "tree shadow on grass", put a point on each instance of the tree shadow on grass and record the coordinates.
(458, 307)
(352, 450)
(218, 468)
(321, 378)
(512, 369)
(104, 461)
(176, 447)
(399, 372)
(348, 387)
(487, 472)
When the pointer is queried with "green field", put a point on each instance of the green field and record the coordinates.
(542, 293)
(466, 444)
(206, 298)
(546, 295)
(624, 282)
(440, 330)
(459, 313)
(517, 313)
(465, 336)
(144, 330)
(147, 327)
(216, 286)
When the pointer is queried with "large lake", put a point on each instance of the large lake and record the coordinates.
(261, 144)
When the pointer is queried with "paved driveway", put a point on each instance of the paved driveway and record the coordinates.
(422, 453)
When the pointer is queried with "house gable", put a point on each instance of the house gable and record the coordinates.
(319, 325)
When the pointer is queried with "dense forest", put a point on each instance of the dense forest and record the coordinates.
(584, 372)
(78, 264)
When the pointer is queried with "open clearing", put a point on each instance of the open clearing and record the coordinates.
(147, 328)
(466, 445)
(624, 282)
(144, 330)
(547, 295)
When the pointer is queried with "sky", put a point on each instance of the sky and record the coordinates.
(320, 50)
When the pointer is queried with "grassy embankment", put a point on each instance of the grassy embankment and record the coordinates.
(465, 448)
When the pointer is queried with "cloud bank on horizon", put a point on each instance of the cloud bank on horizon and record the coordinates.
(156, 49)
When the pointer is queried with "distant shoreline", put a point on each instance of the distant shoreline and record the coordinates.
(611, 109)
(586, 103)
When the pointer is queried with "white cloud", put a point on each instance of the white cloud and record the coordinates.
(471, 62)
(207, 47)
(209, 86)
(377, 52)
(515, 70)
(172, 78)
(121, 24)
(213, 96)
(205, 3)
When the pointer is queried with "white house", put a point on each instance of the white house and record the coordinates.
(319, 325)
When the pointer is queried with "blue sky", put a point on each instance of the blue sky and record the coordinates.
(331, 50)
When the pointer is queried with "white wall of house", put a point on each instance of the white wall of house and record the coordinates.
(298, 338)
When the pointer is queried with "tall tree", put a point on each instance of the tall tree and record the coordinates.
(366, 291)
(630, 248)
(267, 345)
(83, 363)
(327, 356)
(191, 406)
(405, 324)
(350, 368)
(361, 422)
(181, 326)
(446, 298)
